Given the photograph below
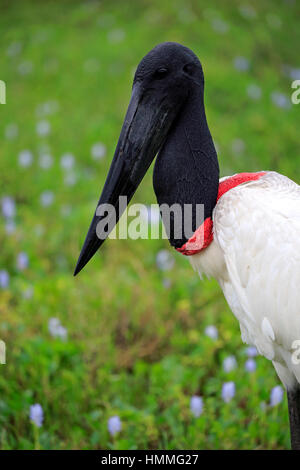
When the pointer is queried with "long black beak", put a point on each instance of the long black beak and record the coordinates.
(145, 127)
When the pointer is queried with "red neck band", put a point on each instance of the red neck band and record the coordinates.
(203, 236)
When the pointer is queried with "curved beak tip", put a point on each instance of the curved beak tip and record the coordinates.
(76, 271)
(90, 246)
(79, 267)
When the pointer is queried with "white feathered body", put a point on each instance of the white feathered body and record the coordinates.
(255, 257)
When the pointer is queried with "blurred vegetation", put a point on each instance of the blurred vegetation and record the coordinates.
(136, 344)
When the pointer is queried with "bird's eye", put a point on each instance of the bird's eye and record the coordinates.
(189, 69)
(161, 73)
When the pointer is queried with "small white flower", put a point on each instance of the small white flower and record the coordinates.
(36, 414)
(251, 351)
(247, 11)
(254, 92)
(166, 283)
(106, 20)
(238, 146)
(28, 293)
(10, 226)
(25, 158)
(14, 49)
(280, 100)
(263, 406)
(229, 364)
(47, 198)
(114, 425)
(11, 131)
(185, 15)
(4, 279)
(241, 63)
(164, 260)
(250, 365)
(61, 332)
(211, 331)
(220, 26)
(52, 325)
(43, 148)
(98, 151)
(45, 161)
(43, 128)
(65, 210)
(196, 405)
(56, 329)
(67, 161)
(291, 72)
(70, 179)
(8, 207)
(61, 263)
(115, 36)
(276, 395)
(88, 173)
(22, 261)
(25, 68)
(228, 391)
(47, 108)
(295, 73)
(40, 36)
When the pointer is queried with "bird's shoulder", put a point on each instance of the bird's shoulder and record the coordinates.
(257, 226)
(273, 197)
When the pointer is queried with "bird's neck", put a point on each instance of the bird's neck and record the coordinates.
(186, 170)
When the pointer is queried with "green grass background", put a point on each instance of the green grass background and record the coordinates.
(135, 348)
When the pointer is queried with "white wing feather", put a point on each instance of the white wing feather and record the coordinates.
(257, 227)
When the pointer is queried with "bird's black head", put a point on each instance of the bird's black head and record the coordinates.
(162, 84)
(170, 70)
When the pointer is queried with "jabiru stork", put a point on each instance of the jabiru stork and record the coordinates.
(249, 235)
